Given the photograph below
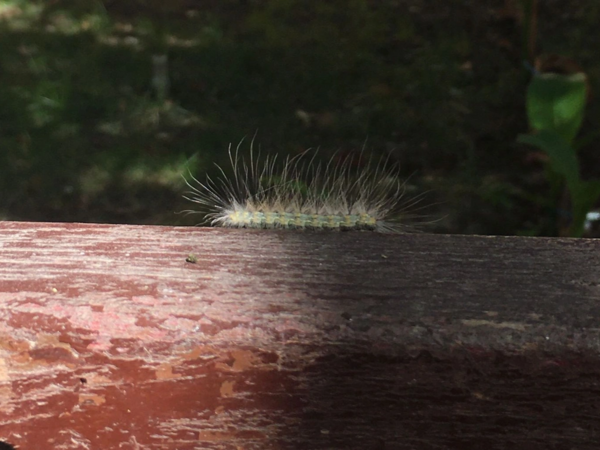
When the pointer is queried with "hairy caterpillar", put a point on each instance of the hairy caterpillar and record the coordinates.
(302, 194)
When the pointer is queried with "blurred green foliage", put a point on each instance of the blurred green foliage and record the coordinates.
(557, 102)
(84, 135)
(555, 108)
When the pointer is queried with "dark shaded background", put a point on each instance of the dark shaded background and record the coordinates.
(85, 134)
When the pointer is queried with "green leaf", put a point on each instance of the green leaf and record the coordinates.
(563, 159)
(556, 103)
(583, 197)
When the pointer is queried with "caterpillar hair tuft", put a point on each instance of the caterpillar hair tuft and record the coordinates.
(346, 193)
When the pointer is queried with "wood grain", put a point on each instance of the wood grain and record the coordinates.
(110, 339)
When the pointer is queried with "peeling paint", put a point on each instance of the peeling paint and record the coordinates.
(343, 349)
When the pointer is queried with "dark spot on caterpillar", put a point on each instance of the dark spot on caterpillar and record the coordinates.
(83, 381)
(6, 446)
(191, 259)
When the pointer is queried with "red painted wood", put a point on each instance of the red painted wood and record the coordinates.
(110, 339)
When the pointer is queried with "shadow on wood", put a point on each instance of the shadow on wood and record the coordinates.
(116, 337)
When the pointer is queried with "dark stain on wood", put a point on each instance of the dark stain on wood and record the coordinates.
(109, 339)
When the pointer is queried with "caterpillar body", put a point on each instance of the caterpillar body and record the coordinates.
(346, 193)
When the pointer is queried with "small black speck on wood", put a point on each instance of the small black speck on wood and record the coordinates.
(110, 339)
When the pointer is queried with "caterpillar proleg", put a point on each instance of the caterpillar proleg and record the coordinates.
(345, 193)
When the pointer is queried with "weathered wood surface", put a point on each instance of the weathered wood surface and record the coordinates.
(110, 339)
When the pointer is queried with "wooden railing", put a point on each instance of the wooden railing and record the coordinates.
(137, 337)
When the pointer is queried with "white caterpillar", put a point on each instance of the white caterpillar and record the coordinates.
(302, 194)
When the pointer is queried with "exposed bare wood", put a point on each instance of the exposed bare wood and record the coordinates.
(110, 339)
